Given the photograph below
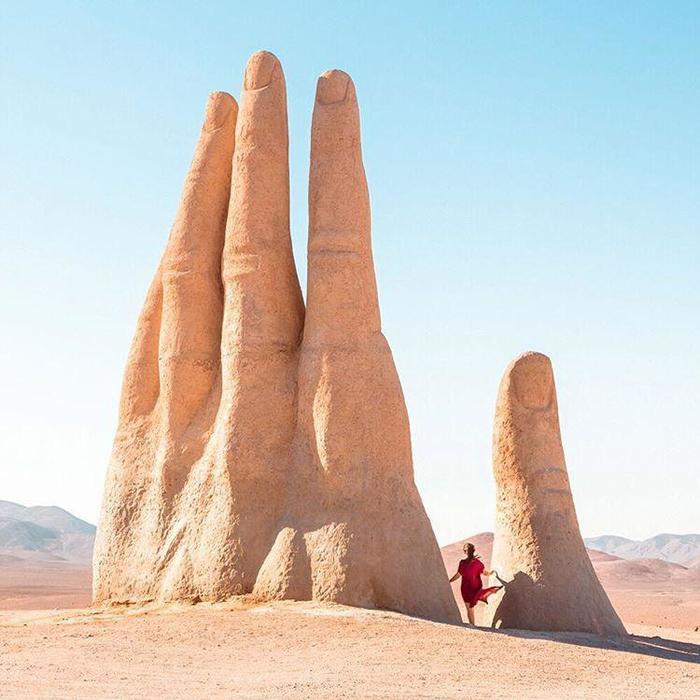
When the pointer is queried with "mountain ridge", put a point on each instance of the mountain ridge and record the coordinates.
(58, 533)
(47, 530)
(678, 549)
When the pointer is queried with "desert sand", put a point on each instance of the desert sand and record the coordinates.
(311, 650)
(30, 581)
(652, 592)
(299, 650)
(254, 649)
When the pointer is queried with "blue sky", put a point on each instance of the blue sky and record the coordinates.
(534, 172)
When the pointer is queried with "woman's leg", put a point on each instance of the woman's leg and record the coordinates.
(470, 614)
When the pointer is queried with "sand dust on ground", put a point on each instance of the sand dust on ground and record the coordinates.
(307, 650)
(32, 583)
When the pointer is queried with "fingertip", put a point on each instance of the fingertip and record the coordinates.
(262, 68)
(532, 379)
(334, 87)
(220, 106)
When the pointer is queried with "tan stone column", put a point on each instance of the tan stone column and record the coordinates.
(538, 551)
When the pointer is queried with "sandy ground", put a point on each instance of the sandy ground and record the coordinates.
(662, 609)
(304, 650)
(32, 583)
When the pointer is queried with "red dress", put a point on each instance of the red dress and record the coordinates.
(471, 586)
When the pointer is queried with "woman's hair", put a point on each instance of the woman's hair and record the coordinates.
(470, 551)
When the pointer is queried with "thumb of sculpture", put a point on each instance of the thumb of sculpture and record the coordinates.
(538, 551)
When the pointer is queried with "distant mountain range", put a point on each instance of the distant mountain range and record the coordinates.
(44, 530)
(679, 549)
(54, 533)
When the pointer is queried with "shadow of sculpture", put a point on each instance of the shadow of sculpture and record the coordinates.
(658, 647)
(512, 603)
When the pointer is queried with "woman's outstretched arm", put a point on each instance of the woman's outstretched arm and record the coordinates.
(455, 577)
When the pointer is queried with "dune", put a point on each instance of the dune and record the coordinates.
(596, 555)
(35, 580)
(637, 572)
(9, 559)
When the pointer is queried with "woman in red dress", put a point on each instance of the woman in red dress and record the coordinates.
(471, 570)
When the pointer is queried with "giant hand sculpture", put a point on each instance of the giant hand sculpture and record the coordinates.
(264, 448)
(538, 551)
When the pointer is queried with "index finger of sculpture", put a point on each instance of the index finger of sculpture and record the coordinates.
(190, 335)
(342, 306)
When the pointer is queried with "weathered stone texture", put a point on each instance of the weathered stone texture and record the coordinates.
(538, 550)
(263, 447)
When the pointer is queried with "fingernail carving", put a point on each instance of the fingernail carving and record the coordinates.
(260, 70)
(332, 87)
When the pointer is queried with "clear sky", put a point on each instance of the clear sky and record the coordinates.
(534, 172)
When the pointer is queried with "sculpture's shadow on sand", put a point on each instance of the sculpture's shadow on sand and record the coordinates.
(522, 588)
(659, 647)
(515, 594)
